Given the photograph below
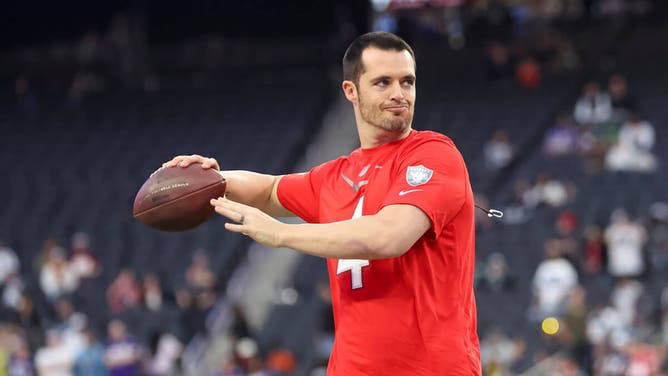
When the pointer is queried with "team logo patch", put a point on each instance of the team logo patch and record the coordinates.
(418, 175)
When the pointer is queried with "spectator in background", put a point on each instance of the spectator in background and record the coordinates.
(625, 240)
(499, 63)
(82, 260)
(70, 324)
(496, 274)
(57, 278)
(247, 358)
(9, 263)
(574, 330)
(595, 251)
(498, 352)
(553, 281)
(281, 362)
(633, 150)
(568, 58)
(625, 299)
(623, 103)
(544, 50)
(55, 359)
(124, 292)
(12, 291)
(90, 361)
(83, 84)
(519, 208)
(565, 227)
(612, 361)
(643, 359)
(152, 295)
(199, 276)
(528, 73)
(45, 252)
(201, 282)
(563, 138)
(10, 280)
(11, 343)
(593, 107)
(20, 363)
(27, 317)
(658, 236)
(549, 191)
(191, 318)
(607, 332)
(122, 353)
(165, 350)
(498, 151)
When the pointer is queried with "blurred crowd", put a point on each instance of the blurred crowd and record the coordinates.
(140, 330)
(597, 280)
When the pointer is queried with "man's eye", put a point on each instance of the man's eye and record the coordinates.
(409, 83)
(382, 83)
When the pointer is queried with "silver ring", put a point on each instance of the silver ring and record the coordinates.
(241, 220)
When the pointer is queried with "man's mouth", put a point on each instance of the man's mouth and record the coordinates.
(397, 109)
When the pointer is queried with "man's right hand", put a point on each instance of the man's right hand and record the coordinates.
(185, 160)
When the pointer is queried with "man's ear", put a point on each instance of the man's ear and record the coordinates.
(350, 91)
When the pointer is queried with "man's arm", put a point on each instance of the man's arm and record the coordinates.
(250, 188)
(256, 190)
(389, 233)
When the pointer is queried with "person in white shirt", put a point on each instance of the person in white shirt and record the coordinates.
(633, 150)
(9, 263)
(594, 106)
(625, 240)
(553, 281)
(57, 277)
(55, 359)
(498, 151)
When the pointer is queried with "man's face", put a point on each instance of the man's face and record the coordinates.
(386, 89)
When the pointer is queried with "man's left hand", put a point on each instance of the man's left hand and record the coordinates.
(250, 221)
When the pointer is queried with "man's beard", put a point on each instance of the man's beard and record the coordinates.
(374, 116)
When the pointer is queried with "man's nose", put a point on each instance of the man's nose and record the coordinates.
(397, 92)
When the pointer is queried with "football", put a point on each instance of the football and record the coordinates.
(177, 198)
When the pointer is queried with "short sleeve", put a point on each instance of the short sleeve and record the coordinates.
(299, 193)
(431, 176)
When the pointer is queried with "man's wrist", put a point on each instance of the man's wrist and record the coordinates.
(283, 234)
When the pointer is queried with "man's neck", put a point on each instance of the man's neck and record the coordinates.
(374, 137)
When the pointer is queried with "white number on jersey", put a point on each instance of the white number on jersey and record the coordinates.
(354, 265)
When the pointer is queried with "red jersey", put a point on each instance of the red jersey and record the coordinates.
(414, 314)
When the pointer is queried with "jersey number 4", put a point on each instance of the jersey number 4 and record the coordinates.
(354, 265)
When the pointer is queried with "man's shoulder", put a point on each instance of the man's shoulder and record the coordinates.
(430, 143)
(431, 137)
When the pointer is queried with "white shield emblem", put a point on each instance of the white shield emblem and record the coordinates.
(418, 175)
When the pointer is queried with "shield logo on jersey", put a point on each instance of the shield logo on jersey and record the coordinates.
(418, 175)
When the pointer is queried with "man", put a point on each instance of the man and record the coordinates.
(394, 219)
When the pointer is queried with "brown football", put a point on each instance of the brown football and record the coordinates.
(177, 198)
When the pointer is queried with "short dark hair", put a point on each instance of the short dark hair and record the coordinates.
(352, 59)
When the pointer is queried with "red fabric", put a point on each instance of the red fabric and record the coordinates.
(414, 314)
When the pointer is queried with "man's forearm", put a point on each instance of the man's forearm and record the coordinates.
(389, 233)
(359, 238)
(252, 188)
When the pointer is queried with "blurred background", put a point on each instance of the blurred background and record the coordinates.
(558, 107)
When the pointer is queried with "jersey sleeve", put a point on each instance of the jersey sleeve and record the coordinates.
(431, 176)
(299, 193)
